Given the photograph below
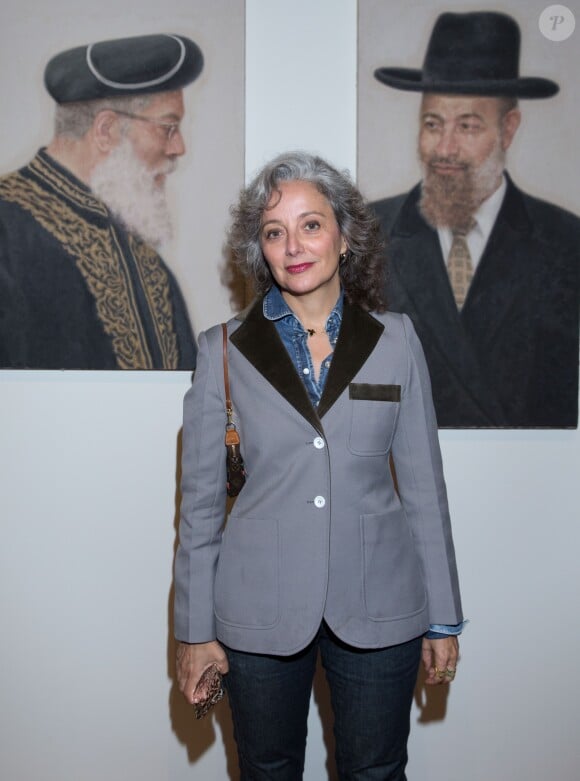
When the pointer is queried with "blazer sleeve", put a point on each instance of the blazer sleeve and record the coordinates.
(421, 486)
(203, 496)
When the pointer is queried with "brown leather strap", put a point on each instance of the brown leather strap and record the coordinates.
(229, 408)
(232, 438)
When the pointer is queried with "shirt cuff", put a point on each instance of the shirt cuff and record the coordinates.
(441, 631)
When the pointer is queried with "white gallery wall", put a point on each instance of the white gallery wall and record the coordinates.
(89, 470)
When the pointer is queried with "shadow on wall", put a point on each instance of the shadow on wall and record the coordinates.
(199, 736)
(430, 700)
(240, 289)
(196, 736)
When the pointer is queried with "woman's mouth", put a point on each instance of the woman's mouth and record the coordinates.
(299, 268)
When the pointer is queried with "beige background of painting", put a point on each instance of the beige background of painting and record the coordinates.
(543, 157)
(212, 171)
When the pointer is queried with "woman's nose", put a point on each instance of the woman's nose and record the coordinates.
(293, 244)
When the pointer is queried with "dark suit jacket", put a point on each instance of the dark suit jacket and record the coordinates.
(510, 358)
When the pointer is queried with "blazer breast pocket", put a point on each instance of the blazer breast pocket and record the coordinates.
(374, 413)
(372, 392)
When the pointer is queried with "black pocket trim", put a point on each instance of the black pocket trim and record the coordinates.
(371, 392)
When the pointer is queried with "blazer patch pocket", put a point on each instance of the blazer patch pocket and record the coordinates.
(372, 392)
(374, 413)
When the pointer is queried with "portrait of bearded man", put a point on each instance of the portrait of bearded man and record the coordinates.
(81, 226)
(489, 274)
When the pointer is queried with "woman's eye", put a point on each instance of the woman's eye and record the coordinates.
(312, 225)
(272, 233)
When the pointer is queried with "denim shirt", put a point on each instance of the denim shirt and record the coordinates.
(295, 339)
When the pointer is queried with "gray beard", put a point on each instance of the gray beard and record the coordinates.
(128, 189)
(451, 201)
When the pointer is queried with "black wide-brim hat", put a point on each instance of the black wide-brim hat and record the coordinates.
(471, 54)
(139, 65)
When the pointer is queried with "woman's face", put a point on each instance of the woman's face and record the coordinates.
(301, 240)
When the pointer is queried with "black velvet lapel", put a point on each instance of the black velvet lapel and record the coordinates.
(258, 341)
(358, 336)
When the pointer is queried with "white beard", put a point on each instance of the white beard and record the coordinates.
(128, 188)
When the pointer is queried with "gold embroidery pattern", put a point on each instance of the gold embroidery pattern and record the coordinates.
(100, 262)
(155, 283)
(66, 187)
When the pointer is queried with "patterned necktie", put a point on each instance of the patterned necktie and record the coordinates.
(459, 265)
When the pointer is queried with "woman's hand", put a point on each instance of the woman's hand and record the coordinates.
(192, 661)
(440, 659)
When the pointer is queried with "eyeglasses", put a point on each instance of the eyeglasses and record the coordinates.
(169, 128)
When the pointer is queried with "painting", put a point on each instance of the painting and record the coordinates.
(504, 352)
(100, 266)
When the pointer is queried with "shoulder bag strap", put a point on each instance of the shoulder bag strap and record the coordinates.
(232, 436)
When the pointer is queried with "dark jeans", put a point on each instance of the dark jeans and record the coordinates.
(371, 693)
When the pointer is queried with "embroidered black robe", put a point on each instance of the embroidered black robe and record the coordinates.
(77, 290)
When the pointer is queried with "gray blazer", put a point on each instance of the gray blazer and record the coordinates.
(319, 530)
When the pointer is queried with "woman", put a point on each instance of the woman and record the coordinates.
(321, 552)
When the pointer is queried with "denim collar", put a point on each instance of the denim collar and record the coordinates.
(275, 308)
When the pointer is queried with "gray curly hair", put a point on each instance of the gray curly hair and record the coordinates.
(362, 270)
